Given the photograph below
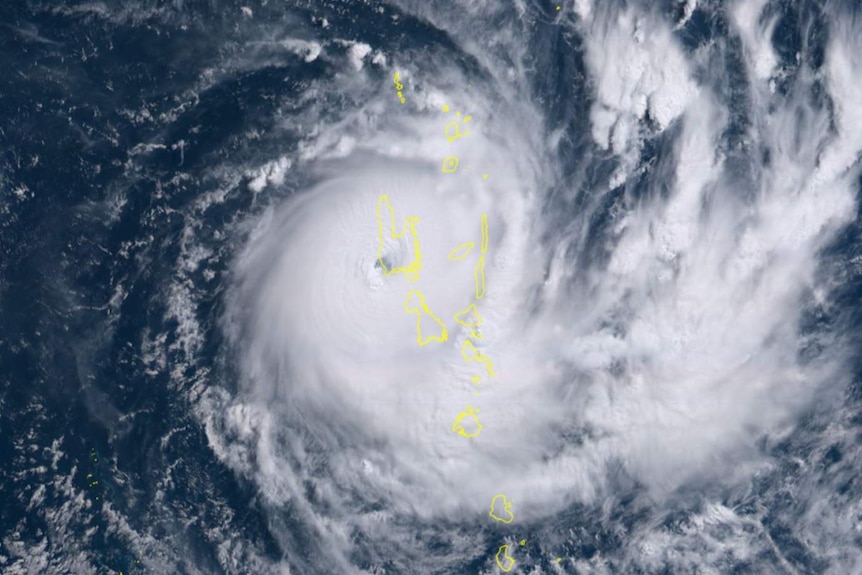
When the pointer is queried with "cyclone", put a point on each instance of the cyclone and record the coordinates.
(325, 334)
(660, 355)
(436, 288)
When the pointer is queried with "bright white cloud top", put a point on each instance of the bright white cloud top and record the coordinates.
(660, 356)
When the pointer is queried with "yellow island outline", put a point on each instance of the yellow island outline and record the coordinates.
(409, 307)
(479, 270)
(458, 428)
(461, 251)
(510, 562)
(477, 356)
(411, 272)
(472, 323)
(507, 507)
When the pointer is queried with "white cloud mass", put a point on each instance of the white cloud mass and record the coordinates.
(666, 358)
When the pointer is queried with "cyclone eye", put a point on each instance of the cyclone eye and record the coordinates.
(383, 262)
(392, 256)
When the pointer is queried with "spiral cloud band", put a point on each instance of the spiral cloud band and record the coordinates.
(654, 350)
(331, 331)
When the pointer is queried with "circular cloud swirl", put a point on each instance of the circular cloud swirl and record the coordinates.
(376, 363)
(650, 348)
